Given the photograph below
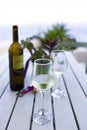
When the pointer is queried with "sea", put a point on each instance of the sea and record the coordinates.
(76, 30)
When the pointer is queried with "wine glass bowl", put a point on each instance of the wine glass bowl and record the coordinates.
(43, 80)
(60, 65)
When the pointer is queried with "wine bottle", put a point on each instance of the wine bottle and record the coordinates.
(16, 66)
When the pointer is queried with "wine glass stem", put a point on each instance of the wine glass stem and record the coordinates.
(58, 86)
(42, 105)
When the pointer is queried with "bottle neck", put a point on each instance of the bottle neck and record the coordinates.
(15, 34)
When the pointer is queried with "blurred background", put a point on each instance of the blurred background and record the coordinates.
(38, 16)
(35, 16)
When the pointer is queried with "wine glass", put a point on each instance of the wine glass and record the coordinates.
(43, 80)
(60, 65)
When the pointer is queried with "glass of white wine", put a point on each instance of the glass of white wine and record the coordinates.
(60, 65)
(43, 80)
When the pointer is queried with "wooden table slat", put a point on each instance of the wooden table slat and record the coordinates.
(81, 76)
(78, 99)
(6, 104)
(68, 113)
(64, 117)
(21, 117)
(4, 80)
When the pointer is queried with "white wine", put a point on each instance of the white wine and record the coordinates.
(16, 66)
(58, 72)
(43, 81)
(59, 69)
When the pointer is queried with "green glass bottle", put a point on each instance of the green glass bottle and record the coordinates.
(16, 65)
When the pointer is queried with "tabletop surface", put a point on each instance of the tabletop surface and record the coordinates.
(69, 113)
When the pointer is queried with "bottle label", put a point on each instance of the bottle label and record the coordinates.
(18, 62)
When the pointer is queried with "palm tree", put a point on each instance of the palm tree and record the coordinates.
(57, 35)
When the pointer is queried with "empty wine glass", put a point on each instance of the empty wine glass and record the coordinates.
(59, 67)
(43, 80)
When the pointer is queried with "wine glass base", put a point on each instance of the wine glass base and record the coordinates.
(42, 118)
(59, 94)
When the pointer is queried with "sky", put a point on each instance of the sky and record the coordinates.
(42, 11)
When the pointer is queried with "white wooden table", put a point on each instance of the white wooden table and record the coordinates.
(69, 113)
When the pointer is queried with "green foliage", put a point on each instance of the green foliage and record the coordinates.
(27, 44)
(58, 30)
(66, 45)
(55, 38)
(35, 52)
